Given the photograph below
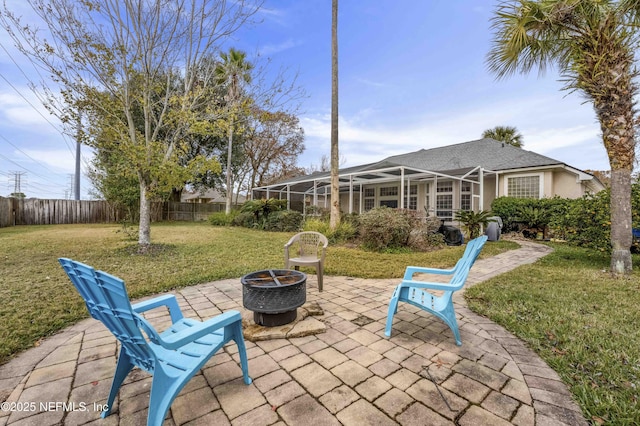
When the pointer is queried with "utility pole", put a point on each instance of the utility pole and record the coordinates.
(76, 185)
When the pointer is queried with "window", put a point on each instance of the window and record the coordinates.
(388, 197)
(388, 191)
(369, 198)
(444, 200)
(465, 195)
(392, 204)
(411, 202)
(445, 186)
(524, 186)
(369, 203)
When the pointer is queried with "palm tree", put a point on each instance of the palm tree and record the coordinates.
(334, 220)
(506, 134)
(592, 43)
(233, 71)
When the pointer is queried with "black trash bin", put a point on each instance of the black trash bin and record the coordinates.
(452, 235)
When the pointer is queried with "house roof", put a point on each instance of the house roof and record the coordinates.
(467, 161)
(455, 160)
(213, 195)
(486, 153)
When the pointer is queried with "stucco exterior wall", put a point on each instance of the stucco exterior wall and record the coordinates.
(565, 185)
(489, 191)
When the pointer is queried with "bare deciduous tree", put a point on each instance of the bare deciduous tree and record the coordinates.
(108, 58)
(272, 147)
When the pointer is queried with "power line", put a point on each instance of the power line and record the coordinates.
(18, 65)
(23, 167)
(27, 100)
(27, 155)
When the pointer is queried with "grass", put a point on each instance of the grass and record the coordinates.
(37, 299)
(581, 321)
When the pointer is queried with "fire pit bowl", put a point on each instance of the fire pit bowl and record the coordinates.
(274, 295)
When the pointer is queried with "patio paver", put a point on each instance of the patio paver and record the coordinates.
(350, 375)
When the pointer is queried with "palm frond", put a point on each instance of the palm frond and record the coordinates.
(531, 34)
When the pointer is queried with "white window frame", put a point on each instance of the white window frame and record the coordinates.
(521, 175)
(411, 197)
(441, 195)
(369, 201)
(389, 194)
(466, 194)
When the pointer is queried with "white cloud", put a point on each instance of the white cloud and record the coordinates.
(57, 160)
(271, 49)
(544, 122)
(25, 111)
(371, 83)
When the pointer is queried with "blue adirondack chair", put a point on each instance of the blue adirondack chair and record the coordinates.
(415, 292)
(173, 356)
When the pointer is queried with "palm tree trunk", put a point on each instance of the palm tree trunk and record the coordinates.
(229, 180)
(616, 117)
(621, 232)
(335, 184)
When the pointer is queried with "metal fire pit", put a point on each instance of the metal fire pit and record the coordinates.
(274, 295)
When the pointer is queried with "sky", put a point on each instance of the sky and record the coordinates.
(412, 75)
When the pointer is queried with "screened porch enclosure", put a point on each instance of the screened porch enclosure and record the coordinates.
(427, 192)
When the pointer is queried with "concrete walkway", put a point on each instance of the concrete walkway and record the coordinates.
(350, 375)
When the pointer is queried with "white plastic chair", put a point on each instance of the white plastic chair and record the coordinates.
(306, 249)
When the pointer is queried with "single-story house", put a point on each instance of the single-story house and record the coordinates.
(440, 181)
(210, 195)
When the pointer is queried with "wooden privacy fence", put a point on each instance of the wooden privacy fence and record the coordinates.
(189, 211)
(14, 211)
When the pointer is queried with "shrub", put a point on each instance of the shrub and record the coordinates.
(423, 239)
(414, 220)
(531, 212)
(384, 228)
(473, 222)
(535, 219)
(353, 219)
(245, 219)
(508, 209)
(588, 222)
(432, 224)
(344, 232)
(317, 225)
(222, 219)
(283, 221)
(583, 222)
(262, 208)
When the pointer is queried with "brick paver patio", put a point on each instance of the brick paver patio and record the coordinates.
(350, 375)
